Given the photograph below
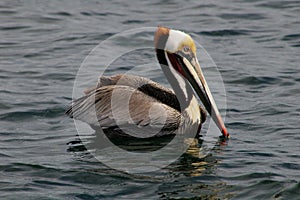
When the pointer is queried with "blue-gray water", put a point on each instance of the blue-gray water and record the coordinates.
(256, 47)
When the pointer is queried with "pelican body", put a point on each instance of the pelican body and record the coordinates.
(128, 105)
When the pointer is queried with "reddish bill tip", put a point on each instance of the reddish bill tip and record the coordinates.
(225, 133)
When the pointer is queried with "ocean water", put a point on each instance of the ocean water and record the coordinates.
(255, 45)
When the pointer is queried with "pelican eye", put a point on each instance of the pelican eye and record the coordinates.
(186, 49)
(186, 52)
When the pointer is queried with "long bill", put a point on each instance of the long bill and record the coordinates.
(194, 75)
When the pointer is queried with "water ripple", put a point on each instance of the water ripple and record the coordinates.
(225, 32)
(255, 46)
(26, 115)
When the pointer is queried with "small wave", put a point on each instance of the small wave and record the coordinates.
(134, 22)
(9, 28)
(247, 16)
(279, 4)
(291, 37)
(24, 115)
(18, 167)
(7, 12)
(256, 80)
(225, 32)
(2, 155)
(57, 76)
(85, 13)
(63, 13)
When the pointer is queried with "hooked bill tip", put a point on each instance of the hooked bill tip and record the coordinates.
(222, 127)
(225, 133)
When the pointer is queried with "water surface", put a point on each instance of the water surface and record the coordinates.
(255, 45)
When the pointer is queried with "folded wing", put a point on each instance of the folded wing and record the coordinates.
(125, 107)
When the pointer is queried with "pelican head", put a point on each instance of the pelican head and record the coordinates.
(177, 50)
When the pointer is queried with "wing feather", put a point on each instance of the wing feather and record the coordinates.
(145, 85)
(126, 108)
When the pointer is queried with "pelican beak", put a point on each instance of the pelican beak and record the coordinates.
(191, 70)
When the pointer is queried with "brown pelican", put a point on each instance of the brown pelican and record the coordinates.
(136, 106)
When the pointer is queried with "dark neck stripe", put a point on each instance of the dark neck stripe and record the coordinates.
(174, 82)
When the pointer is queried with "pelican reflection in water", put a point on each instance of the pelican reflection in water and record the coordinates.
(128, 105)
